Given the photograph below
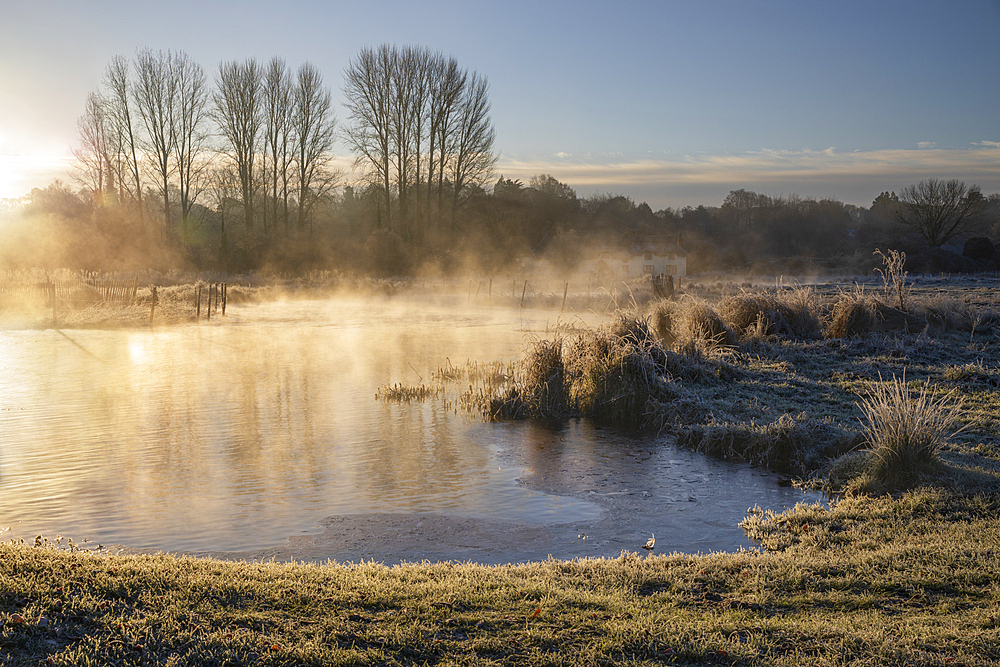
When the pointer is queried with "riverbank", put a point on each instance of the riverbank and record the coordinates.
(888, 581)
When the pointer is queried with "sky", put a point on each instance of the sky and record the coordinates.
(671, 103)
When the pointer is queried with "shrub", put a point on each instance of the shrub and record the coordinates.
(386, 254)
(982, 250)
(904, 434)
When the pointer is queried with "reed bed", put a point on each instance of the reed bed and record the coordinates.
(399, 393)
(729, 385)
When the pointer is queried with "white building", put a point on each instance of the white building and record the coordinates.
(646, 259)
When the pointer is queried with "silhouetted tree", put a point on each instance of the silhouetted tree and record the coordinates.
(93, 155)
(368, 98)
(312, 125)
(190, 135)
(239, 114)
(154, 91)
(123, 137)
(941, 210)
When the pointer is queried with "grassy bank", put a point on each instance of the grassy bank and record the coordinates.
(888, 581)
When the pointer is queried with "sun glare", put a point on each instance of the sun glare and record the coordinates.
(20, 173)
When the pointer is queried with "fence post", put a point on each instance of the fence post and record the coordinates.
(152, 303)
(225, 294)
(565, 292)
(198, 304)
(52, 295)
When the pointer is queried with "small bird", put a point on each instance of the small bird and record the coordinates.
(650, 543)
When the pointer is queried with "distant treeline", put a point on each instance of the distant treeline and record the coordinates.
(496, 230)
(239, 175)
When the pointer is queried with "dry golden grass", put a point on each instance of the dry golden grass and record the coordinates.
(904, 432)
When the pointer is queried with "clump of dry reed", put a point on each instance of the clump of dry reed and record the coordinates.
(688, 324)
(853, 315)
(701, 323)
(663, 315)
(619, 374)
(613, 372)
(904, 434)
(400, 393)
(758, 312)
(793, 445)
(861, 315)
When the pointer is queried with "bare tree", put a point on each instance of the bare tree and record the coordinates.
(238, 112)
(473, 158)
(278, 104)
(93, 155)
(190, 135)
(941, 210)
(745, 208)
(118, 105)
(447, 84)
(368, 98)
(155, 90)
(313, 125)
(421, 65)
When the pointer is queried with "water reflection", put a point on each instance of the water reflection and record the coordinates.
(238, 434)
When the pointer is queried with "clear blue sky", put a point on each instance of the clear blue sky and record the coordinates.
(673, 103)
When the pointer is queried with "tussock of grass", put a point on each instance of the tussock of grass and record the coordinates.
(758, 312)
(904, 434)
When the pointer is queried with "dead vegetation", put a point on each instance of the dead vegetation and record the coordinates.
(775, 378)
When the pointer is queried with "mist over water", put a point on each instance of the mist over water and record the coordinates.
(238, 434)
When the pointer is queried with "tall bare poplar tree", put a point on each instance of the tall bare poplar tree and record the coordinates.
(473, 153)
(238, 112)
(277, 153)
(313, 125)
(448, 82)
(190, 135)
(154, 91)
(93, 155)
(118, 105)
(368, 98)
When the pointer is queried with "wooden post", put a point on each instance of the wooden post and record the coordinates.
(208, 311)
(152, 303)
(523, 291)
(478, 290)
(565, 292)
(52, 295)
(225, 293)
(198, 304)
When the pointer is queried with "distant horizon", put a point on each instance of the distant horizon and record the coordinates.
(701, 181)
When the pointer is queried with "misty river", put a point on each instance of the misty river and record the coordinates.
(258, 435)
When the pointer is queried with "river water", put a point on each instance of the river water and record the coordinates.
(258, 435)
